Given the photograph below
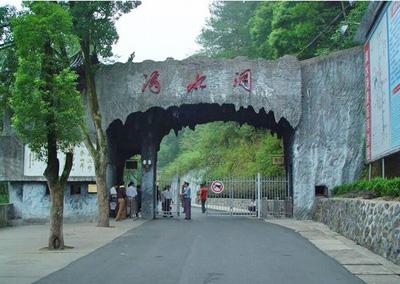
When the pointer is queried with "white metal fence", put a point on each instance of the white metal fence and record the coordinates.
(258, 196)
(254, 196)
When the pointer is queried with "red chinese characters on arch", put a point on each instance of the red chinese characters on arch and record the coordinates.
(152, 82)
(243, 79)
(197, 83)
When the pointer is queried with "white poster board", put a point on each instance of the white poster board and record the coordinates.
(382, 85)
(83, 165)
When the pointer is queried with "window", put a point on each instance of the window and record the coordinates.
(92, 188)
(321, 190)
(47, 189)
(75, 189)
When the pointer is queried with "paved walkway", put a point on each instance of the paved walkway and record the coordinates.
(361, 262)
(206, 249)
(23, 261)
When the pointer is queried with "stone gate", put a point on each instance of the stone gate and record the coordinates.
(316, 106)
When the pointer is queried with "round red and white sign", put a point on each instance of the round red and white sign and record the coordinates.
(217, 186)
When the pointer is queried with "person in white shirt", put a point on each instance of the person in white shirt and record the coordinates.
(252, 205)
(131, 194)
(113, 201)
(167, 196)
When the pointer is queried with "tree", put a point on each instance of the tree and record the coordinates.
(47, 107)
(226, 33)
(8, 60)
(94, 25)
(295, 24)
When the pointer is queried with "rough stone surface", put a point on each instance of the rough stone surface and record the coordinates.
(5, 214)
(328, 143)
(276, 86)
(11, 158)
(32, 204)
(372, 224)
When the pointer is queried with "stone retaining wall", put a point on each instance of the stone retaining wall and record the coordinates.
(5, 214)
(370, 223)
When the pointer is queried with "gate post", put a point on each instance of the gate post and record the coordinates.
(259, 195)
(149, 167)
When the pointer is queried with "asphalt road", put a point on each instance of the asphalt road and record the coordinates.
(207, 250)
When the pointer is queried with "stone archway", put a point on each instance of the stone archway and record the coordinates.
(320, 99)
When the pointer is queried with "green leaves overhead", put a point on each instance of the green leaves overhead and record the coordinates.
(94, 22)
(45, 100)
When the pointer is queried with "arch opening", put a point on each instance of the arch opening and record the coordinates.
(142, 133)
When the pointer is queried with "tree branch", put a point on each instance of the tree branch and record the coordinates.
(67, 168)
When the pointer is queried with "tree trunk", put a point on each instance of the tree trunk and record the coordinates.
(102, 194)
(56, 238)
(98, 150)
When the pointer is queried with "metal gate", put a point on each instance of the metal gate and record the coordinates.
(258, 196)
(249, 196)
(174, 207)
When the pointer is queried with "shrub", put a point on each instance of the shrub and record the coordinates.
(379, 186)
(3, 192)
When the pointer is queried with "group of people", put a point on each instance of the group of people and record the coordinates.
(125, 203)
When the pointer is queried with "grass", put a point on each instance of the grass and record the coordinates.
(374, 188)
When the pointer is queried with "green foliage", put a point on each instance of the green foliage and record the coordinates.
(220, 149)
(45, 100)
(273, 29)
(337, 39)
(94, 23)
(380, 187)
(8, 59)
(3, 192)
(226, 33)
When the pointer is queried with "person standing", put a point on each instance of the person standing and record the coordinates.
(121, 195)
(167, 201)
(113, 201)
(131, 194)
(203, 197)
(187, 198)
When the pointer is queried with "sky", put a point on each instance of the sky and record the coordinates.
(157, 29)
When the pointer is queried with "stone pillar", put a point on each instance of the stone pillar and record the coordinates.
(149, 172)
(110, 176)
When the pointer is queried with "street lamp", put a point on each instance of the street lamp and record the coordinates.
(146, 164)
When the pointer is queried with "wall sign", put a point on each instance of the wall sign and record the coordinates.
(382, 84)
(243, 79)
(153, 84)
(196, 83)
(217, 186)
(82, 166)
